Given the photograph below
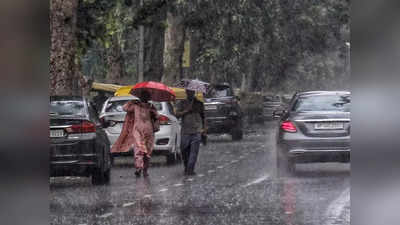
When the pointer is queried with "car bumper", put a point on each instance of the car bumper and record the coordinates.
(217, 125)
(73, 158)
(317, 149)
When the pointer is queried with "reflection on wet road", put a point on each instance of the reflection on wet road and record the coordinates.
(235, 184)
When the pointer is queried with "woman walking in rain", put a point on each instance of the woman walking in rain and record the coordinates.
(138, 132)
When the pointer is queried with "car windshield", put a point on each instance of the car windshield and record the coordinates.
(117, 106)
(271, 99)
(67, 108)
(219, 91)
(323, 103)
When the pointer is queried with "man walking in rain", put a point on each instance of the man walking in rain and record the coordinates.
(191, 111)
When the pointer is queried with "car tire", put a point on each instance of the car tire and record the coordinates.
(101, 177)
(171, 158)
(237, 132)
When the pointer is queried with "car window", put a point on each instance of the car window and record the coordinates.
(115, 106)
(323, 103)
(219, 91)
(272, 99)
(158, 105)
(171, 108)
(67, 108)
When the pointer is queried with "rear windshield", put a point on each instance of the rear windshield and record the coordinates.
(272, 99)
(67, 108)
(323, 103)
(117, 106)
(219, 91)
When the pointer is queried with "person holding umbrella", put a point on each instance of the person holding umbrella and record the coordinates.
(141, 122)
(191, 111)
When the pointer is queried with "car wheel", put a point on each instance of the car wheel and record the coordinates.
(171, 158)
(237, 132)
(101, 177)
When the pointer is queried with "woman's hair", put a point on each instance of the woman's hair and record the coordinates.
(145, 95)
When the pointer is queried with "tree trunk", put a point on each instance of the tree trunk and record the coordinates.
(115, 62)
(173, 48)
(63, 15)
(154, 49)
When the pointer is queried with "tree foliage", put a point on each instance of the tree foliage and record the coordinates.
(263, 45)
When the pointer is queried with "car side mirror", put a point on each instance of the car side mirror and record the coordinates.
(237, 98)
(278, 114)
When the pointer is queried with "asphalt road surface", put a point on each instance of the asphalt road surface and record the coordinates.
(236, 183)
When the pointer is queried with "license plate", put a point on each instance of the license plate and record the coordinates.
(328, 126)
(56, 133)
(210, 107)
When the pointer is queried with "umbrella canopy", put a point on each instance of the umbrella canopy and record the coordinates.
(194, 85)
(159, 92)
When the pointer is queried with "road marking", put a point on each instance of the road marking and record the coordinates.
(200, 175)
(177, 185)
(106, 215)
(256, 181)
(147, 196)
(163, 190)
(241, 157)
(190, 179)
(234, 161)
(337, 207)
(128, 204)
(220, 167)
(211, 171)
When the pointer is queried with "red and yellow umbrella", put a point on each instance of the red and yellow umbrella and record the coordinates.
(159, 92)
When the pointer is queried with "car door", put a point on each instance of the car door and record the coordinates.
(175, 123)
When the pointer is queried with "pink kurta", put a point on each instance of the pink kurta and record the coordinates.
(137, 131)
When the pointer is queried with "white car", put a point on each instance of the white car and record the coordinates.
(167, 140)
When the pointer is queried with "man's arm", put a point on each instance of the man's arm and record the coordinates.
(203, 118)
(180, 110)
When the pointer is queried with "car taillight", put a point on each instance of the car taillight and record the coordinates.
(288, 126)
(164, 120)
(84, 127)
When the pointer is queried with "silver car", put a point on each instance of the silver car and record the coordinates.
(314, 128)
(167, 140)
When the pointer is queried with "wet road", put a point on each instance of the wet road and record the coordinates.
(235, 184)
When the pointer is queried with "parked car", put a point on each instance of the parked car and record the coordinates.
(271, 104)
(315, 128)
(78, 144)
(167, 140)
(222, 111)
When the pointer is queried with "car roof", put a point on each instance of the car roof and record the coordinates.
(121, 98)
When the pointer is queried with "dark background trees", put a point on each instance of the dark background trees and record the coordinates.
(256, 45)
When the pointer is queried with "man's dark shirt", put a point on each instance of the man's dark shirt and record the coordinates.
(192, 122)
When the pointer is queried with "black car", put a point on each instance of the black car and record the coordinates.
(78, 144)
(314, 128)
(222, 111)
